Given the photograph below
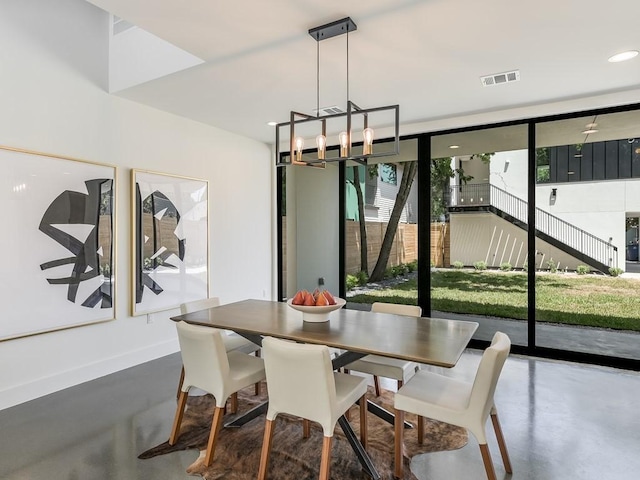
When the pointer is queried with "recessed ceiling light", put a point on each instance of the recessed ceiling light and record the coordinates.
(272, 124)
(588, 131)
(622, 56)
(591, 125)
(454, 146)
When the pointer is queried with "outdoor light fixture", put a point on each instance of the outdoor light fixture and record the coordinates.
(344, 140)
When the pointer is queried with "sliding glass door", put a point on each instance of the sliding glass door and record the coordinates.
(478, 199)
(587, 207)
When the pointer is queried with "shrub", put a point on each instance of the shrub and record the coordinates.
(615, 271)
(458, 264)
(582, 269)
(352, 281)
(481, 265)
(362, 277)
(552, 266)
(389, 273)
(506, 267)
(412, 266)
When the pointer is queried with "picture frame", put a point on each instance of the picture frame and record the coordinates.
(59, 252)
(170, 241)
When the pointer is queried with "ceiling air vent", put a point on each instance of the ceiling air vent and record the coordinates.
(500, 78)
(328, 110)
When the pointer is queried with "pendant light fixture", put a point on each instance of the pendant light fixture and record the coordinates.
(344, 140)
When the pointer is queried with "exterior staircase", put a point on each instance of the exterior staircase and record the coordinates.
(580, 244)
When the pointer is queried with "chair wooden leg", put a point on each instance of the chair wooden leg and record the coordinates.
(325, 461)
(488, 463)
(501, 443)
(398, 426)
(175, 430)
(376, 385)
(363, 421)
(420, 429)
(180, 382)
(306, 428)
(234, 403)
(266, 449)
(215, 429)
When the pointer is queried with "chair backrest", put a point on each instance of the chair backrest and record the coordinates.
(484, 385)
(397, 309)
(206, 365)
(300, 381)
(199, 305)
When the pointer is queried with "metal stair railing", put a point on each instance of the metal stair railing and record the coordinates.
(562, 231)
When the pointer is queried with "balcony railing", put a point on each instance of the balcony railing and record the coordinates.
(485, 194)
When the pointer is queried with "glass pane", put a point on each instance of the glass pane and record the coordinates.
(381, 229)
(479, 229)
(588, 204)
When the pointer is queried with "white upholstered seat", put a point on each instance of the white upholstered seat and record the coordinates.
(465, 404)
(208, 366)
(232, 341)
(301, 382)
(399, 370)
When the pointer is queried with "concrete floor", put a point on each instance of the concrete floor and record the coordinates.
(561, 421)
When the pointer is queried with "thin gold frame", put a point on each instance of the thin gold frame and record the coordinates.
(114, 232)
(134, 173)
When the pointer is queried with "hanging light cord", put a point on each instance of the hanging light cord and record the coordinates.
(347, 64)
(318, 78)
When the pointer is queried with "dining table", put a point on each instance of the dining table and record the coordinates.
(357, 333)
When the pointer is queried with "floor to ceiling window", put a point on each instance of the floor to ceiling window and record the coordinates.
(381, 235)
(588, 199)
(479, 242)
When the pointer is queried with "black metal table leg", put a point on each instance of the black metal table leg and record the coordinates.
(359, 450)
(250, 415)
(384, 414)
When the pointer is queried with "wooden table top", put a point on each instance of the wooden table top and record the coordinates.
(419, 339)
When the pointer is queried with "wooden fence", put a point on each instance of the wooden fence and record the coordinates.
(403, 250)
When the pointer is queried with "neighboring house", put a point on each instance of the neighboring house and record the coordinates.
(379, 191)
(583, 196)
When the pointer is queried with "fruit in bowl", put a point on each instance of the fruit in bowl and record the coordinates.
(319, 298)
(316, 306)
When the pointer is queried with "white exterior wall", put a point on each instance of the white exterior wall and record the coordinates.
(486, 237)
(599, 207)
(385, 199)
(54, 100)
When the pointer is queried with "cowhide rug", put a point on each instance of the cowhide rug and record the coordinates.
(237, 454)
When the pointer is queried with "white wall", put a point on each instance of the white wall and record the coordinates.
(317, 240)
(487, 237)
(53, 99)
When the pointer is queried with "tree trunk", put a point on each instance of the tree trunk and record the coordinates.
(364, 264)
(408, 174)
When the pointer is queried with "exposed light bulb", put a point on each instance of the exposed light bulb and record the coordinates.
(343, 139)
(321, 142)
(367, 146)
(299, 141)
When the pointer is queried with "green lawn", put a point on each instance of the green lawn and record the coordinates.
(589, 300)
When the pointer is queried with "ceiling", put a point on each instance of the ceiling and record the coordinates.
(425, 55)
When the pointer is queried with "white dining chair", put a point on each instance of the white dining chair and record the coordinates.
(301, 382)
(208, 366)
(465, 404)
(232, 341)
(396, 369)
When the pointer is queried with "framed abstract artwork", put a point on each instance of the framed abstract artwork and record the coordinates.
(58, 264)
(170, 225)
